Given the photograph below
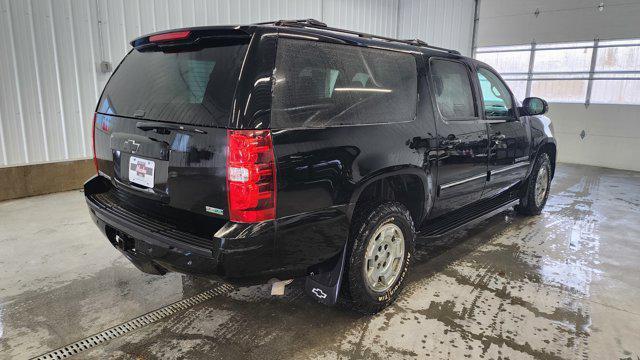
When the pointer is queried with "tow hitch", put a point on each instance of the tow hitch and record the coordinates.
(124, 243)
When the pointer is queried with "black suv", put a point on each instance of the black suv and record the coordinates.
(292, 149)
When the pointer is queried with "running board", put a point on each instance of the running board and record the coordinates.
(449, 222)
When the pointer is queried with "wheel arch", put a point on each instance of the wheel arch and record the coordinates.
(412, 186)
(549, 147)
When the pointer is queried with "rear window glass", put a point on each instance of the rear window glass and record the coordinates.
(190, 87)
(320, 84)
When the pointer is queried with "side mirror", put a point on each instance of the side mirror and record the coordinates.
(534, 106)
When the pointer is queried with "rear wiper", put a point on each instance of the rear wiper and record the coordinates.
(166, 128)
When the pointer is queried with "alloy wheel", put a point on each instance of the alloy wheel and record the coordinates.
(384, 257)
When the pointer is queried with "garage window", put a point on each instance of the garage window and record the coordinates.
(583, 72)
(321, 84)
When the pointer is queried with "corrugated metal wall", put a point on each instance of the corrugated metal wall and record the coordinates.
(446, 23)
(50, 76)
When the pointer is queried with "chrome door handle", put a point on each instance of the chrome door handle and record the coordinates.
(497, 139)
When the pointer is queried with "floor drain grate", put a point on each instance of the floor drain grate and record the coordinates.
(141, 321)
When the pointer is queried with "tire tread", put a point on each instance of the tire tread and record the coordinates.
(367, 218)
(527, 205)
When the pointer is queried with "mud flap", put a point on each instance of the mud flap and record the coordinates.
(325, 286)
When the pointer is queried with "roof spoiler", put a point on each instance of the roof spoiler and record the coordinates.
(187, 36)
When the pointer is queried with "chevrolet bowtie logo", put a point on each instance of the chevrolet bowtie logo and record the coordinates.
(319, 293)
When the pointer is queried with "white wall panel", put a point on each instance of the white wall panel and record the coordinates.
(50, 75)
(612, 134)
(510, 22)
(11, 123)
(371, 16)
(446, 23)
(28, 84)
(72, 121)
(86, 56)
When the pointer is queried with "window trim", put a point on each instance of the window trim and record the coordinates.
(472, 85)
(514, 104)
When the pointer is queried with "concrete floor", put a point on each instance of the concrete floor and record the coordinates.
(562, 285)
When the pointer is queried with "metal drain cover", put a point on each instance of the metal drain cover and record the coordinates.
(134, 324)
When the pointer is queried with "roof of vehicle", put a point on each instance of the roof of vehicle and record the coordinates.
(318, 30)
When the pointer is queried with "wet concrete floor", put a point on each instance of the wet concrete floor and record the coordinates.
(562, 285)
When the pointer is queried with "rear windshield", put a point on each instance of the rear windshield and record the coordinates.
(189, 87)
(321, 84)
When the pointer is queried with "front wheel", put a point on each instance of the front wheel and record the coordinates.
(381, 250)
(537, 187)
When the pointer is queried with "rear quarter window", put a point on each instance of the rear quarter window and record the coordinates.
(194, 86)
(321, 84)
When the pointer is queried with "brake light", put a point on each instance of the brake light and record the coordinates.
(251, 176)
(93, 142)
(176, 35)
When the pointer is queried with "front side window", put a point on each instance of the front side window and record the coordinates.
(320, 84)
(495, 95)
(452, 87)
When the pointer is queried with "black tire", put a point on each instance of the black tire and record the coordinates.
(528, 204)
(355, 293)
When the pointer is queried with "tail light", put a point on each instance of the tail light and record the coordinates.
(93, 142)
(251, 176)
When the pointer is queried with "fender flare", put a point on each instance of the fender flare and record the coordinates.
(538, 147)
(426, 176)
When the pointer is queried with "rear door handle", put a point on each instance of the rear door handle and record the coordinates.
(418, 142)
(497, 139)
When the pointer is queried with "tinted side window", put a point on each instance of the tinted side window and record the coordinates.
(495, 95)
(452, 89)
(320, 84)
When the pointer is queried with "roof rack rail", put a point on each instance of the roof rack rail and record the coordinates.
(418, 42)
(315, 24)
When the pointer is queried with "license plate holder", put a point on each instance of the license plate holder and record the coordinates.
(142, 171)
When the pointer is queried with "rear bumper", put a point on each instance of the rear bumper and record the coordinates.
(236, 252)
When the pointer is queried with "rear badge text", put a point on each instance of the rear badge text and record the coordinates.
(214, 210)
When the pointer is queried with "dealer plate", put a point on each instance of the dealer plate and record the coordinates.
(141, 171)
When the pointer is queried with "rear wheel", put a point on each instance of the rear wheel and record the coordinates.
(382, 245)
(536, 192)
